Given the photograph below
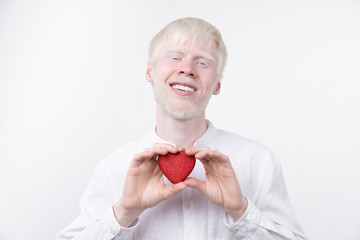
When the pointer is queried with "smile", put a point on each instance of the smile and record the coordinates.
(183, 88)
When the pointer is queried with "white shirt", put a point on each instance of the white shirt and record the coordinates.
(189, 215)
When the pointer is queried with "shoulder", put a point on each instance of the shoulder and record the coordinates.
(249, 158)
(122, 156)
(242, 149)
(235, 141)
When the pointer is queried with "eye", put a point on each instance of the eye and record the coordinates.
(175, 58)
(202, 63)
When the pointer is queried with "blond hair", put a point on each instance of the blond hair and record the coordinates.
(193, 30)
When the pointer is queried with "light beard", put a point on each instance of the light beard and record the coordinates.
(187, 111)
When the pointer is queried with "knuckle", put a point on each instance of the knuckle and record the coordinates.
(214, 152)
(163, 145)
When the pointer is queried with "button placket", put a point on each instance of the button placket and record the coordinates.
(187, 199)
(188, 215)
(114, 229)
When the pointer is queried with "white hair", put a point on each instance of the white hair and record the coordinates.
(193, 30)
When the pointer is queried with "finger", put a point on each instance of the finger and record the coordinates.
(212, 156)
(198, 153)
(160, 150)
(170, 148)
(173, 189)
(192, 151)
(152, 153)
(206, 155)
(196, 184)
(141, 157)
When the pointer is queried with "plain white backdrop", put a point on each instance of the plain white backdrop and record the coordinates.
(72, 90)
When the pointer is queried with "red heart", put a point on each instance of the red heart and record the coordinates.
(176, 167)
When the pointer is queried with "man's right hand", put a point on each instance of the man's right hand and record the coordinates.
(144, 185)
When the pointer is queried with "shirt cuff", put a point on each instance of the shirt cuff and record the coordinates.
(247, 224)
(112, 228)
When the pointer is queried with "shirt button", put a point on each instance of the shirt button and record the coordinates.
(187, 205)
(114, 229)
(108, 236)
(234, 231)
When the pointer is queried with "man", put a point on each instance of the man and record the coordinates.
(236, 190)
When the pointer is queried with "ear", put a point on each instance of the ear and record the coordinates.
(148, 74)
(217, 88)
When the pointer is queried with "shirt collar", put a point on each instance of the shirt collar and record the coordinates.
(207, 136)
(201, 141)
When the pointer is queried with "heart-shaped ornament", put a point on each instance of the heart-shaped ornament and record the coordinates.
(176, 167)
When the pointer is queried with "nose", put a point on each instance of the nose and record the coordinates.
(187, 69)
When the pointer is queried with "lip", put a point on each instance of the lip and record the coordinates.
(181, 92)
(186, 84)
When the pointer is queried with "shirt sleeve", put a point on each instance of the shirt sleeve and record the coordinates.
(271, 217)
(96, 220)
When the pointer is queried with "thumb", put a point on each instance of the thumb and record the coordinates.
(173, 189)
(196, 184)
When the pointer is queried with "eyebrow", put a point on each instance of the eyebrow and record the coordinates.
(199, 53)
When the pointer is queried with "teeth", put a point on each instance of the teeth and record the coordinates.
(183, 88)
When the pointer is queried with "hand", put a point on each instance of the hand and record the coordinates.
(144, 185)
(220, 186)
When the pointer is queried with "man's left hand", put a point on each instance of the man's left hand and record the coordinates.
(220, 186)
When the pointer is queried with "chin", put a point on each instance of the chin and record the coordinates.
(186, 112)
(181, 110)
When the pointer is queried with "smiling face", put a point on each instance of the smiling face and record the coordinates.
(184, 77)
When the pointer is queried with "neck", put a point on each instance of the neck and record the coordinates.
(180, 132)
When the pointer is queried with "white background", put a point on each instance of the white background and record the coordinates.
(72, 90)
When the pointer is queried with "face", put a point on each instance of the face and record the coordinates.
(184, 78)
